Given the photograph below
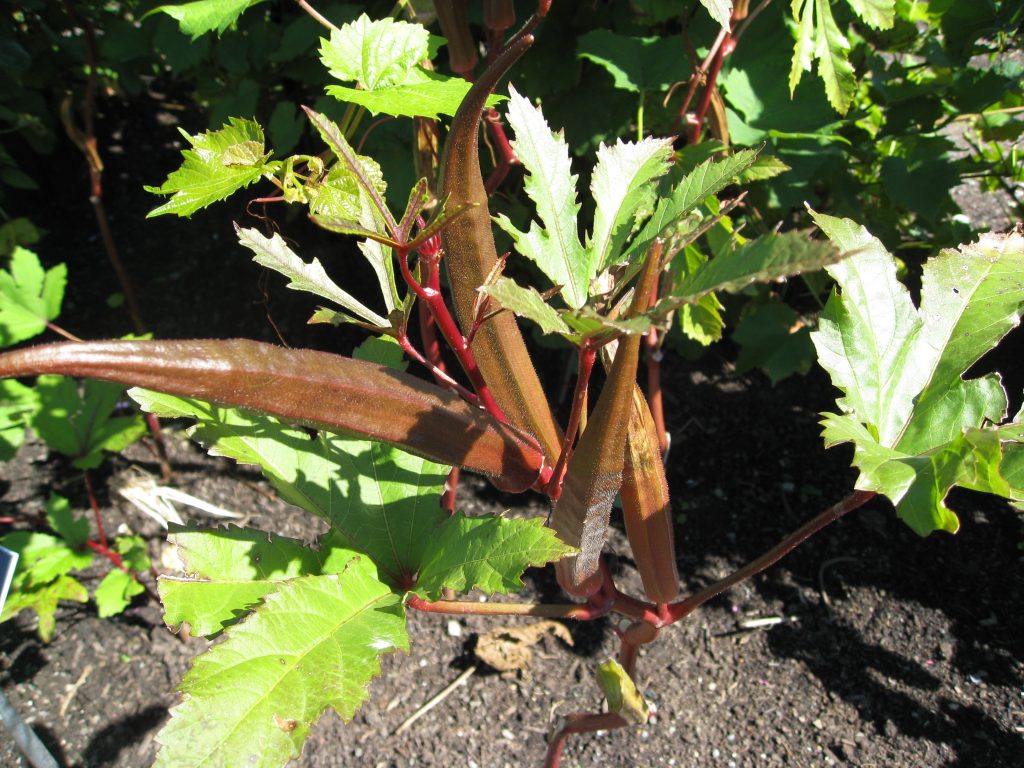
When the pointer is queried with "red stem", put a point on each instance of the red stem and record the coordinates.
(587, 356)
(451, 491)
(683, 608)
(654, 393)
(440, 375)
(584, 612)
(506, 155)
(580, 722)
(94, 504)
(431, 295)
(709, 87)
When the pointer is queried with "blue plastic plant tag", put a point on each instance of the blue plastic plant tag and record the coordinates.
(8, 564)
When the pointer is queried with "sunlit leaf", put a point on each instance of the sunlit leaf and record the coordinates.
(375, 54)
(30, 296)
(219, 164)
(202, 16)
(313, 644)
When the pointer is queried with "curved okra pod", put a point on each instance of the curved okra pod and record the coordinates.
(316, 389)
(645, 506)
(470, 256)
(594, 477)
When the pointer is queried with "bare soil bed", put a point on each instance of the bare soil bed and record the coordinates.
(881, 649)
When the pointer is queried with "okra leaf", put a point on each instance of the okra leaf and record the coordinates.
(76, 419)
(202, 16)
(376, 54)
(486, 553)
(555, 247)
(770, 257)
(29, 296)
(227, 572)
(274, 253)
(43, 599)
(708, 178)
(623, 185)
(720, 10)
(42, 557)
(819, 38)
(115, 592)
(528, 303)
(73, 529)
(635, 63)
(773, 338)
(313, 644)
(918, 427)
(17, 404)
(379, 500)
(880, 14)
(424, 94)
(219, 164)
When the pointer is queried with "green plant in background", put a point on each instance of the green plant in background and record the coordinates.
(78, 421)
(657, 235)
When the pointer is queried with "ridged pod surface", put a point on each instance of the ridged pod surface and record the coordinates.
(307, 387)
(470, 256)
(646, 507)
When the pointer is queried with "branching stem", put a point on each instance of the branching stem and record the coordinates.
(683, 608)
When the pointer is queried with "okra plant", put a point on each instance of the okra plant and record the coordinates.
(368, 447)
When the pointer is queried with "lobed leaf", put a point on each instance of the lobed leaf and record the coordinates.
(918, 427)
(428, 95)
(115, 592)
(43, 600)
(274, 253)
(720, 10)
(622, 186)
(77, 419)
(219, 164)
(17, 404)
(313, 644)
(29, 296)
(708, 178)
(202, 16)
(768, 258)
(554, 247)
(228, 571)
(376, 54)
(485, 553)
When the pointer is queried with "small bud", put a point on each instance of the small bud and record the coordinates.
(462, 53)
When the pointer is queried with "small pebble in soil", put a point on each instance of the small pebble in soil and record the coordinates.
(454, 628)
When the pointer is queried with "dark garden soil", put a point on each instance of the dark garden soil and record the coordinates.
(880, 649)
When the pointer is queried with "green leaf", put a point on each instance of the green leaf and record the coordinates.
(768, 258)
(43, 600)
(202, 16)
(880, 14)
(134, 553)
(720, 10)
(228, 571)
(42, 558)
(708, 178)
(773, 338)
(376, 54)
(384, 350)
(764, 168)
(819, 38)
(622, 186)
(635, 63)
(75, 419)
(912, 417)
(313, 644)
(29, 296)
(115, 593)
(273, 253)
(556, 247)
(17, 404)
(528, 303)
(380, 500)
(427, 94)
(74, 530)
(219, 164)
(486, 553)
(624, 698)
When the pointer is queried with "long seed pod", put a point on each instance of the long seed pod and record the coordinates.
(645, 506)
(470, 256)
(462, 55)
(580, 516)
(312, 388)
